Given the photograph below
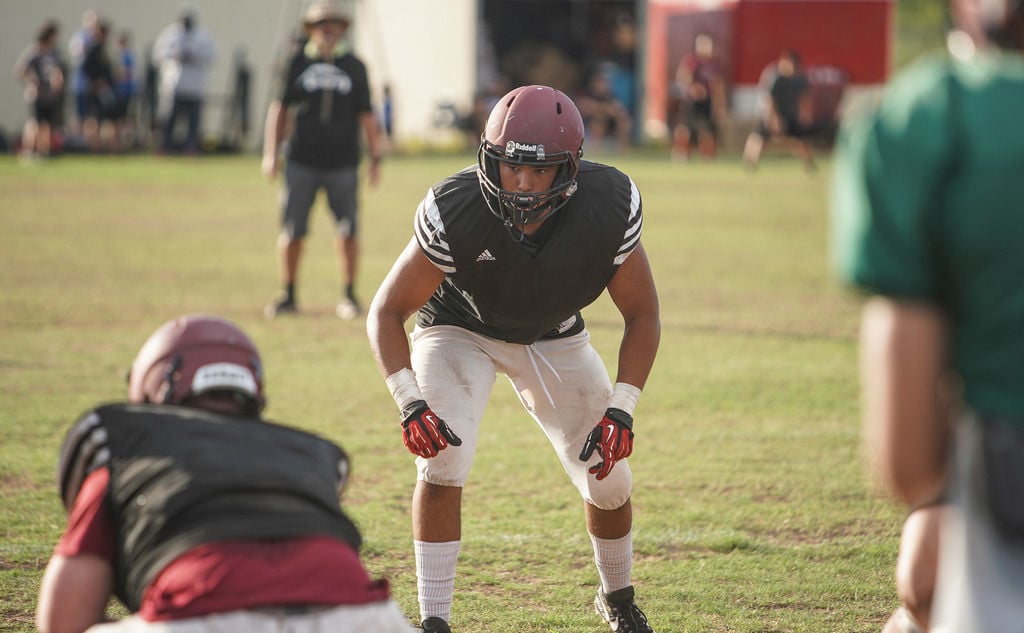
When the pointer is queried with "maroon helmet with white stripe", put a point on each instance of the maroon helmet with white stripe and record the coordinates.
(194, 355)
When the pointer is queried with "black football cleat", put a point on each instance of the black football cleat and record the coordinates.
(435, 625)
(619, 610)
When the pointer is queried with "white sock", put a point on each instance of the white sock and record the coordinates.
(614, 560)
(435, 577)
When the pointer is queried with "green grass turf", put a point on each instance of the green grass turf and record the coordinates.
(753, 512)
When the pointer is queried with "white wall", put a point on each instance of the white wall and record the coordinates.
(427, 54)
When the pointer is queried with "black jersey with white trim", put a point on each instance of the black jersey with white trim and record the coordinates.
(496, 285)
(181, 477)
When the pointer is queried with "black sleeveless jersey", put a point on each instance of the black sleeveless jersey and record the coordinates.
(496, 286)
(181, 477)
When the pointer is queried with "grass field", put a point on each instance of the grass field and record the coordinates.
(753, 512)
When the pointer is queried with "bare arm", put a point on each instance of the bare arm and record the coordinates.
(412, 280)
(719, 99)
(633, 292)
(903, 372)
(74, 593)
(273, 136)
(369, 124)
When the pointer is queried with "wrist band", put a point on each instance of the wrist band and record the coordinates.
(403, 387)
(625, 397)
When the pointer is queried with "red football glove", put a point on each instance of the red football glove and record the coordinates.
(613, 435)
(424, 433)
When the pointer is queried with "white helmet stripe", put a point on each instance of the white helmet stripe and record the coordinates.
(224, 376)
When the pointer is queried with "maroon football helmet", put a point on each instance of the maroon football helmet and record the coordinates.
(531, 125)
(197, 354)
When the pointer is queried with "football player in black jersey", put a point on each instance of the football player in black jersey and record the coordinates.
(200, 515)
(503, 259)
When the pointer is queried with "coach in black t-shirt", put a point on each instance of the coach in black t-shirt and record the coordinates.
(326, 92)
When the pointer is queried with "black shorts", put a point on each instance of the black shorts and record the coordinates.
(47, 112)
(696, 115)
(791, 128)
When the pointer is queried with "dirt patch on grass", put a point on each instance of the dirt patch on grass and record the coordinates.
(13, 483)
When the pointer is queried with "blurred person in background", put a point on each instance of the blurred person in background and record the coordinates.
(99, 127)
(184, 53)
(78, 45)
(125, 89)
(700, 89)
(198, 514)
(788, 116)
(324, 104)
(928, 223)
(41, 70)
(606, 120)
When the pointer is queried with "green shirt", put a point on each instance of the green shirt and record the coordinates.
(928, 204)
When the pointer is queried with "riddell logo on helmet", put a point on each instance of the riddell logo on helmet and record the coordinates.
(512, 148)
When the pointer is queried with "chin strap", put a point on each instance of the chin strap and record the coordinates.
(513, 231)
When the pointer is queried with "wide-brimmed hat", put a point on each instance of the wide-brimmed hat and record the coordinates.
(326, 11)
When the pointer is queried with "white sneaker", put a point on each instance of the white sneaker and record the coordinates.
(347, 309)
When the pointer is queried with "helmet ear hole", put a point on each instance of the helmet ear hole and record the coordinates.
(169, 378)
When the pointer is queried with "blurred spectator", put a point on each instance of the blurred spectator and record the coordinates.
(699, 89)
(41, 70)
(788, 111)
(621, 62)
(605, 119)
(125, 89)
(184, 53)
(78, 45)
(237, 119)
(101, 100)
(149, 99)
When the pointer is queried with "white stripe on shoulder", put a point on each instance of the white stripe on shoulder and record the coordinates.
(634, 201)
(430, 233)
(94, 443)
(634, 225)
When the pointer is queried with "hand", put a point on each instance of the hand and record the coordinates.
(373, 172)
(269, 165)
(613, 435)
(424, 433)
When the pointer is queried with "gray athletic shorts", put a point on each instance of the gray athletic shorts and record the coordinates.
(562, 383)
(381, 617)
(301, 185)
(980, 586)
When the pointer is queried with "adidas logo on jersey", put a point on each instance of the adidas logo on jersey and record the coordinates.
(485, 256)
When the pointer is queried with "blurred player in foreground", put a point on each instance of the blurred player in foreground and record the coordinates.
(198, 514)
(930, 222)
(504, 257)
